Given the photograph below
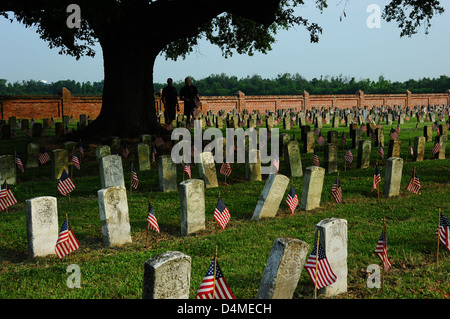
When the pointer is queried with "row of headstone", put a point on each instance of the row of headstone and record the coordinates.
(37, 129)
(43, 229)
(168, 275)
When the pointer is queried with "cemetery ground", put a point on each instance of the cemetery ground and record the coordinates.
(245, 244)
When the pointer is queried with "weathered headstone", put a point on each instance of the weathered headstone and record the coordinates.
(330, 157)
(111, 171)
(143, 156)
(287, 123)
(333, 239)
(207, 169)
(146, 138)
(427, 133)
(6, 131)
(192, 206)
(42, 226)
(379, 134)
(364, 150)
(393, 176)
(32, 155)
(394, 148)
(70, 146)
(293, 159)
(332, 137)
(357, 137)
(7, 164)
(271, 196)
(114, 143)
(59, 129)
(304, 129)
(219, 122)
(335, 122)
(46, 123)
(36, 131)
(284, 139)
(309, 143)
(253, 165)
(114, 217)
(60, 162)
(419, 148)
(283, 269)
(101, 151)
(443, 129)
(312, 187)
(167, 172)
(167, 276)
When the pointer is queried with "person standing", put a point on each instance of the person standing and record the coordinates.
(189, 94)
(169, 98)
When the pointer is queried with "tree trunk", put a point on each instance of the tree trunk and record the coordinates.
(128, 102)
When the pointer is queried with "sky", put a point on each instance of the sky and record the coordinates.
(348, 48)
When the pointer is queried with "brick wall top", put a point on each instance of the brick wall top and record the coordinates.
(39, 106)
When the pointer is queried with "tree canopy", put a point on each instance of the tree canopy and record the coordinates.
(131, 35)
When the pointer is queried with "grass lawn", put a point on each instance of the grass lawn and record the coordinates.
(245, 244)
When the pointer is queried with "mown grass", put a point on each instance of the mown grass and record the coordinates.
(244, 245)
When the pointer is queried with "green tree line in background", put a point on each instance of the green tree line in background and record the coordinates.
(222, 85)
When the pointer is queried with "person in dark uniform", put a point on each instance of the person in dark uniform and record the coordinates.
(189, 94)
(169, 98)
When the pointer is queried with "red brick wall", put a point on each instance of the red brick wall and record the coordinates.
(56, 106)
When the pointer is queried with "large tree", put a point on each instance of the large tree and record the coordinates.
(132, 33)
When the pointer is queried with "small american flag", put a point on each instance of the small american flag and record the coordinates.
(187, 169)
(152, 222)
(414, 183)
(125, 152)
(65, 184)
(276, 164)
(320, 139)
(381, 250)
(435, 126)
(376, 178)
(159, 141)
(437, 147)
(381, 151)
(134, 179)
(219, 286)
(292, 199)
(343, 138)
(316, 158)
(76, 161)
(43, 156)
(410, 148)
(7, 197)
(443, 231)
(154, 153)
(225, 169)
(316, 129)
(336, 191)
(393, 134)
(221, 213)
(398, 129)
(81, 149)
(325, 275)
(19, 164)
(348, 156)
(67, 242)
